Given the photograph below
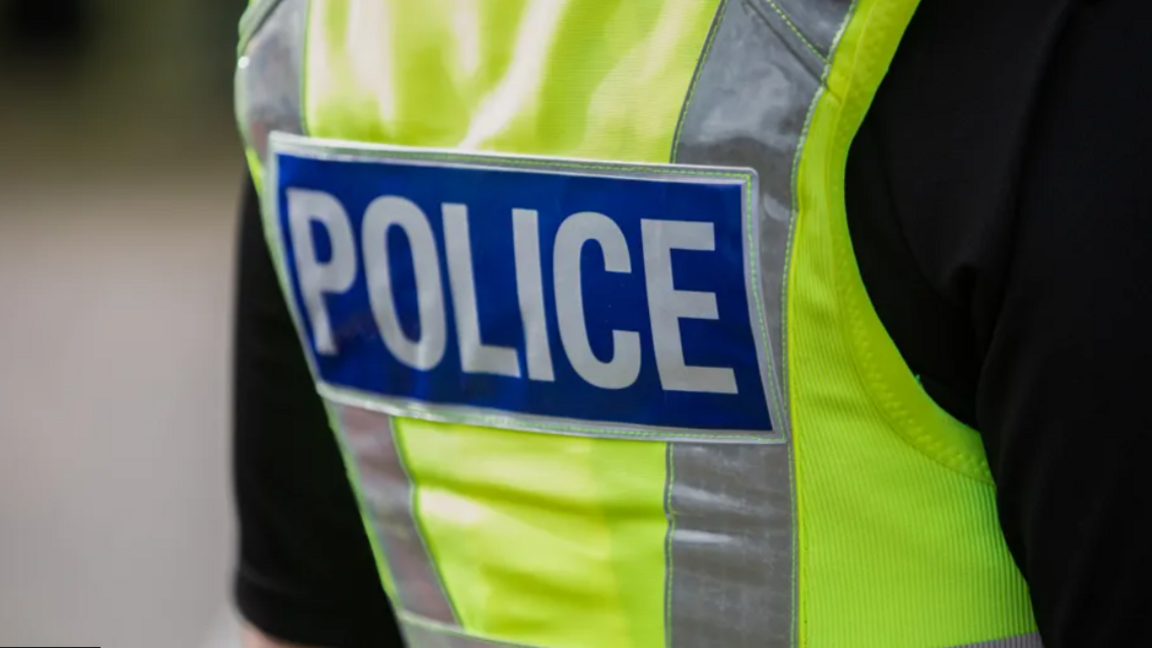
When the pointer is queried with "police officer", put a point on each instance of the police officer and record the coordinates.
(695, 323)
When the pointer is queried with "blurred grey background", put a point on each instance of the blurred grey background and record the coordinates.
(119, 174)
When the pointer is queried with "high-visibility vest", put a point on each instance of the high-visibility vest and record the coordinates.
(571, 490)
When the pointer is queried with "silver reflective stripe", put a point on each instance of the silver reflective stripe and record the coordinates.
(1023, 641)
(421, 633)
(749, 107)
(730, 546)
(813, 22)
(269, 72)
(731, 542)
(387, 493)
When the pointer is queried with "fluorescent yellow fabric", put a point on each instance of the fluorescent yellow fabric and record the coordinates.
(541, 540)
(551, 541)
(899, 543)
(515, 76)
(558, 541)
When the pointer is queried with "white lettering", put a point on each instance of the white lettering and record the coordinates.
(530, 290)
(427, 351)
(624, 367)
(475, 356)
(316, 278)
(667, 306)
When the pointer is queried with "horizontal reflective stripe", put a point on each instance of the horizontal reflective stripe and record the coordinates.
(424, 633)
(1022, 641)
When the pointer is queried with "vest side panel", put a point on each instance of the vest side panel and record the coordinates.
(899, 540)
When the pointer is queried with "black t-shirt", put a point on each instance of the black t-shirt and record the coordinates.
(1000, 207)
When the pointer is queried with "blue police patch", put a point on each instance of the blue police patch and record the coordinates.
(531, 293)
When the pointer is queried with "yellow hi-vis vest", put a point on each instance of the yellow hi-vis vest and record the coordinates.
(576, 285)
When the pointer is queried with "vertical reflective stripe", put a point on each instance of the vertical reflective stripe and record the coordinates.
(748, 108)
(731, 547)
(268, 75)
(1022, 641)
(387, 493)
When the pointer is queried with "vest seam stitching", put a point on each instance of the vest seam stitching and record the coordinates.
(669, 538)
(799, 619)
(338, 147)
(796, 30)
(876, 382)
(700, 62)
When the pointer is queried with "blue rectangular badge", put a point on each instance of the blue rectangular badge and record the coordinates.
(531, 293)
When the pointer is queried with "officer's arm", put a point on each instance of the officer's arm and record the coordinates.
(1065, 397)
(306, 572)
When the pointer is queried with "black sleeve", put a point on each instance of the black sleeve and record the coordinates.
(1064, 394)
(999, 202)
(306, 572)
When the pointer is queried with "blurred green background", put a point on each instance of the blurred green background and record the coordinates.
(134, 77)
(119, 174)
